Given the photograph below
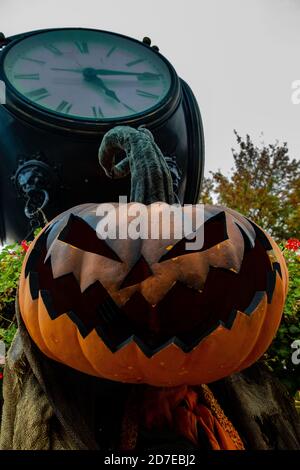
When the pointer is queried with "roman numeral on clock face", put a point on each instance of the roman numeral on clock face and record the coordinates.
(64, 107)
(111, 50)
(53, 49)
(97, 112)
(38, 94)
(134, 62)
(82, 46)
(36, 61)
(28, 76)
(146, 94)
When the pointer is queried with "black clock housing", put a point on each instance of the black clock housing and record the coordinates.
(44, 151)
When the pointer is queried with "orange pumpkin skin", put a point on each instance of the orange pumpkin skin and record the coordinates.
(140, 312)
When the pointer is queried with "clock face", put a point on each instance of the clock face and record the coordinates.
(87, 74)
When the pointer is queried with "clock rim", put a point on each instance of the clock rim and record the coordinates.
(18, 104)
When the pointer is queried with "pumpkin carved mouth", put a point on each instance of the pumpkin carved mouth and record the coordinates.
(152, 327)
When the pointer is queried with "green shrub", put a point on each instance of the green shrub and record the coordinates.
(279, 355)
(11, 259)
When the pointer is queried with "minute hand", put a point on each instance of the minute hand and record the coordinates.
(143, 75)
(119, 72)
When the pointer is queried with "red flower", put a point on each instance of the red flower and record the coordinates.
(24, 245)
(1, 376)
(293, 244)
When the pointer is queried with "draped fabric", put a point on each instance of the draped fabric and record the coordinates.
(188, 411)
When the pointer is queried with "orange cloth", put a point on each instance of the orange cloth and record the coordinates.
(182, 409)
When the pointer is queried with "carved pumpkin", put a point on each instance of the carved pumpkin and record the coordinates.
(149, 310)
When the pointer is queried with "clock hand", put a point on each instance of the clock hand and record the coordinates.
(142, 75)
(120, 72)
(94, 79)
(90, 75)
(109, 92)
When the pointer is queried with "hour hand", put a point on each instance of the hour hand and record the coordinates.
(98, 81)
(111, 94)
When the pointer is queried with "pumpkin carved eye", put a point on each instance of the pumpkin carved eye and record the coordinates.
(78, 233)
(215, 232)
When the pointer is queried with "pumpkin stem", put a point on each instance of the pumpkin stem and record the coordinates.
(151, 180)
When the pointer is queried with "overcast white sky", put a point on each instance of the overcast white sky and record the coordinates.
(239, 56)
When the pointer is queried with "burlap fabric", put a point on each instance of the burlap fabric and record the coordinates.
(48, 406)
(28, 420)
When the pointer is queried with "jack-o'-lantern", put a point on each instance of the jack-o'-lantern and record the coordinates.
(149, 310)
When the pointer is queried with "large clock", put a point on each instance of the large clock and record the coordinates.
(64, 89)
(86, 75)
